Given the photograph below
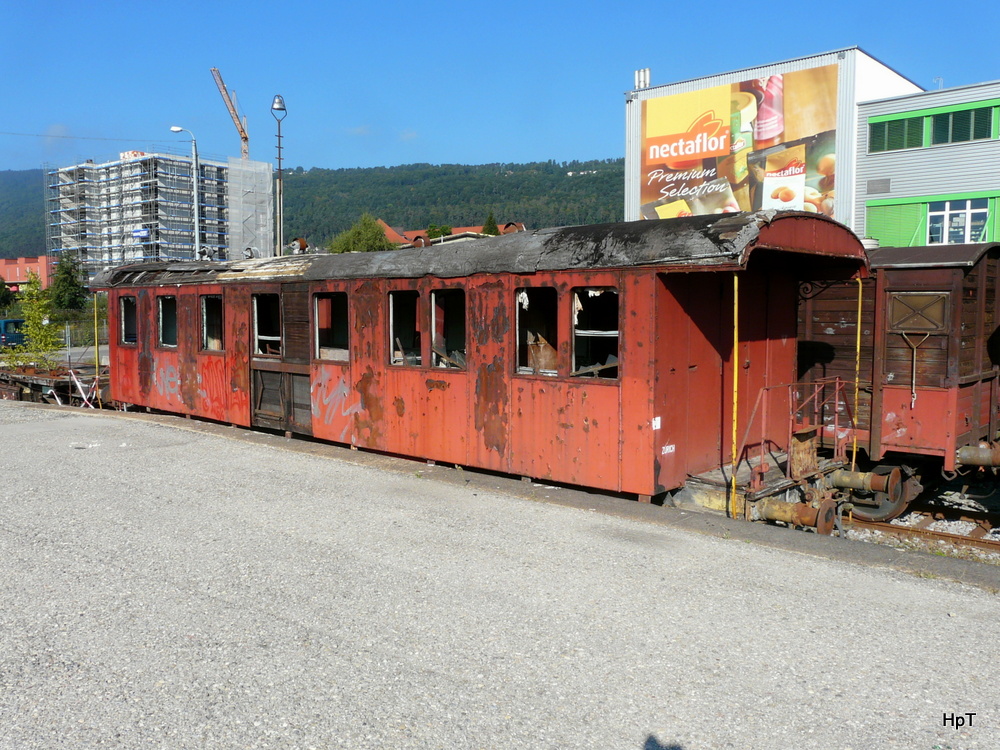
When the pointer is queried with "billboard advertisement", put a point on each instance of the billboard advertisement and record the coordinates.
(756, 144)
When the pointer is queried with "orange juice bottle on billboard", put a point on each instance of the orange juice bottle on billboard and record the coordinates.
(769, 127)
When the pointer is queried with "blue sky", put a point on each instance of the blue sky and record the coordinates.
(379, 84)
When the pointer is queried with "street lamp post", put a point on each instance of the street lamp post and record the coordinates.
(279, 112)
(194, 183)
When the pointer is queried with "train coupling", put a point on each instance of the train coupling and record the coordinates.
(982, 454)
(820, 514)
(891, 483)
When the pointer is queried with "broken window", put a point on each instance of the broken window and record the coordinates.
(404, 332)
(537, 331)
(267, 324)
(129, 332)
(211, 323)
(595, 333)
(448, 324)
(331, 326)
(167, 321)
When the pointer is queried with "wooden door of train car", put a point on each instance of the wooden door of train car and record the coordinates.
(279, 357)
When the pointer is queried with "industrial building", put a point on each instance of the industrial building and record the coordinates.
(140, 208)
(777, 136)
(927, 167)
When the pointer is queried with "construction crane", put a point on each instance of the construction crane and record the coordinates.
(241, 123)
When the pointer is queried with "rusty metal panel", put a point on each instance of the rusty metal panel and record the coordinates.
(640, 449)
(188, 343)
(123, 358)
(334, 402)
(692, 345)
(368, 365)
(926, 427)
(491, 336)
(565, 431)
(236, 392)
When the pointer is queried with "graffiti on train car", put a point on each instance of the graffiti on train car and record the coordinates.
(332, 401)
(167, 380)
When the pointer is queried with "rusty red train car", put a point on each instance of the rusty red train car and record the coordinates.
(601, 356)
(929, 365)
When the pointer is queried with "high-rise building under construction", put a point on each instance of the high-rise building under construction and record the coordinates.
(141, 208)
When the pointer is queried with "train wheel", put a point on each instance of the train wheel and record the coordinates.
(889, 505)
(885, 508)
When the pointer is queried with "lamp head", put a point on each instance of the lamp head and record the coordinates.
(278, 108)
(176, 128)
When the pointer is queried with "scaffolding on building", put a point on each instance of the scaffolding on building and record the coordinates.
(140, 207)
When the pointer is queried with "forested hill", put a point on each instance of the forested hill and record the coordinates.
(320, 203)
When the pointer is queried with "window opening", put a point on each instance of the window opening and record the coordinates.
(404, 332)
(129, 330)
(267, 324)
(961, 126)
(332, 338)
(894, 135)
(957, 222)
(595, 333)
(211, 323)
(167, 321)
(537, 331)
(448, 324)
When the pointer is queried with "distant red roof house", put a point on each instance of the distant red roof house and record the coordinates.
(14, 271)
(419, 238)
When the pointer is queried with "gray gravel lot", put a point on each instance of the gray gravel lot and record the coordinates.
(168, 588)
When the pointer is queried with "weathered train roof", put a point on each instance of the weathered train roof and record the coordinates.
(712, 242)
(940, 256)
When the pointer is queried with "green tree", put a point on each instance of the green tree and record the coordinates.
(364, 237)
(6, 295)
(490, 227)
(434, 231)
(42, 339)
(66, 290)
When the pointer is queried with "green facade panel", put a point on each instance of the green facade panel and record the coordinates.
(898, 226)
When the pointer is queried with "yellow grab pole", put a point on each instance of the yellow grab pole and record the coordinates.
(857, 380)
(736, 392)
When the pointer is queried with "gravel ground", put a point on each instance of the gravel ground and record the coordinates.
(168, 588)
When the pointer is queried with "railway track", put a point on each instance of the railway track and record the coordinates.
(959, 527)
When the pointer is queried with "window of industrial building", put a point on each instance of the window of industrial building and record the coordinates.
(894, 135)
(331, 326)
(537, 331)
(267, 324)
(404, 331)
(961, 126)
(211, 323)
(595, 333)
(129, 332)
(957, 222)
(166, 321)
(448, 325)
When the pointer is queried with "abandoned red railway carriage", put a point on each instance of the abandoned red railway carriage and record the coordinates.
(599, 356)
